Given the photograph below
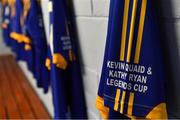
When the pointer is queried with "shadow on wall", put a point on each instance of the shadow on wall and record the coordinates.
(170, 41)
(75, 35)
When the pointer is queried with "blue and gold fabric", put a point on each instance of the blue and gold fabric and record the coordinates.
(133, 75)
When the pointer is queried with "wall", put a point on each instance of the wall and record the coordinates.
(91, 20)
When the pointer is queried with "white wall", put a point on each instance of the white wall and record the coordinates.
(91, 19)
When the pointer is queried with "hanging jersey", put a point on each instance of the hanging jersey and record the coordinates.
(132, 80)
(28, 45)
(14, 17)
(16, 32)
(66, 77)
(35, 30)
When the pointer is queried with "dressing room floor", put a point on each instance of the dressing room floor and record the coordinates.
(17, 98)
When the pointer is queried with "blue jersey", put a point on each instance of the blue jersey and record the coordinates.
(34, 37)
(41, 48)
(27, 41)
(15, 26)
(16, 33)
(6, 21)
(67, 89)
(132, 80)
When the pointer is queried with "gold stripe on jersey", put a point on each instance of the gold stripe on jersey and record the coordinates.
(122, 101)
(48, 63)
(118, 92)
(104, 111)
(140, 31)
(129, 49)
(133, 18)
(124, 29)
(59, 61)
(130, 103)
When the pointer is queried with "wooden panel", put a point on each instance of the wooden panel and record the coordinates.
(9, 102)
(18, 97)
(2, 108)
(39, 110)
(37, 106)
